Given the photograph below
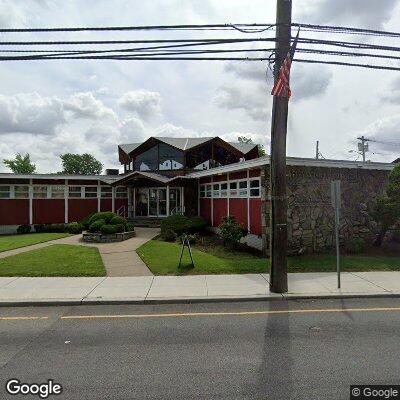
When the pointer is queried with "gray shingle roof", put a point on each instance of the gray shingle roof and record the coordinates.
(187, 143)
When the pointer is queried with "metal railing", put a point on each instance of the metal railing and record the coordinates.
(180, 210)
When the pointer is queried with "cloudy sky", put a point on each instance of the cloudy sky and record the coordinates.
(48, 108)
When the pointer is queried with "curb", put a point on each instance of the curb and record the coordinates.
(287, 297)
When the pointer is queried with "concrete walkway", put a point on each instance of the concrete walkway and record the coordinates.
(120, 259)
(147, 289)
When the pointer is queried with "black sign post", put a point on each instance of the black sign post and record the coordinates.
(186, 243)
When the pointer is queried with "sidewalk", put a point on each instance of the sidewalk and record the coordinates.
(195, 288)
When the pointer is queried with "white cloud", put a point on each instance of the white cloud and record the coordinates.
(30, 113)
(11, 15)
(85, 105)
(143, 103)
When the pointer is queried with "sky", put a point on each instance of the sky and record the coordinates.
(48, 108)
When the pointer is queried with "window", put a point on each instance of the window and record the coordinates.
(90, 192)
(202, 191)
(242, 188)
(21, 192)
(39, 192)
(75, 192)
(147, 161)
(57, 192)
(216, 190)
(233, 189)
(169, 157)
(208, 190)
(5, 192)
(224, 191)
(121, 192)
(255, 188)
(106, 192)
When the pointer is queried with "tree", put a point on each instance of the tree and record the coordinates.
(80, 164)
(387, 209)
(21, 164)
(244, 139)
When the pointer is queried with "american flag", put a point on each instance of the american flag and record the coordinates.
(282, 86)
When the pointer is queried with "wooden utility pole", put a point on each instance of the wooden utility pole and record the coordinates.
(317, 150)
(278, 274)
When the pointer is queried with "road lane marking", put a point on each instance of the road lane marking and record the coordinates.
(233, 313)
(21, 318)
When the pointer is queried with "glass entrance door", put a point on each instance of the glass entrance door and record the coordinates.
(175, 201)
(142, 201)
(162, 202)
(153, 202)
(157, 202)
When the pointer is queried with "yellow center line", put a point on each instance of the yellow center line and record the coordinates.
(236, 313)
(21, 318)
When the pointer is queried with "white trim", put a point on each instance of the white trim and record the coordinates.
(109, 179)
(228, 195)
(198, 197)
(113, 199)
(248, 201)
(30, 202)
(212, 201)
(307, 162)
(66, 193)
(98, 196)
(167, 200)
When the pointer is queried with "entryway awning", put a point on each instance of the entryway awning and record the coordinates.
(142, 175)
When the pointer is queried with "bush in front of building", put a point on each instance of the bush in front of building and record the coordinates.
(180, 224)
(107, 216)
(85, 222)
(108, 229)
(39, 228)
(231, 231)
(129, 227)
(24, 229)
(96, 225)
(118, 220)
(74, 228)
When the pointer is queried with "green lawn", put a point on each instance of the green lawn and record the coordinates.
(162, 258)
(55, 260)
(11, 242)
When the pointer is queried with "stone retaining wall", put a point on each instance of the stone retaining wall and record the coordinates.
(310, 214)
(100, 238)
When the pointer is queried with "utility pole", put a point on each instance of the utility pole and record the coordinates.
(278, 273)
(363, 146)
(317, 150)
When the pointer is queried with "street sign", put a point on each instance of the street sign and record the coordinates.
(336, 204)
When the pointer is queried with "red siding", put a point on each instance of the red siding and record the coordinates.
(205, 180)
(48, 211)
(205, 209)
(254, 173)
(238, 209)
(220, 210)
(80, 208)
(14, 212)
(255, 216)
(220, 178)
(105, 205)
(121, 202)
(237, 175)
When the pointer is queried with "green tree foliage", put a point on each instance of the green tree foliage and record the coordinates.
(80, 164)
(387, 209)
(21, 164)
(244, 139)
(231, 231)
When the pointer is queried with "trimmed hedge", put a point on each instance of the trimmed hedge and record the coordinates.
(108, 229)
(107, 216)
(118, 220)
(74, 228)
(129, 227)
(23, 229)
(180, 224)
(96, 225)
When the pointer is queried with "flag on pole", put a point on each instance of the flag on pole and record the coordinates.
(282, 84)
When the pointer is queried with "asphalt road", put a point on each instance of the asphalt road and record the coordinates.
(272, 350)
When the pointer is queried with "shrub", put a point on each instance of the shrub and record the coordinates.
(197, 224)
(85, 222)
(23, 229)
(107, 216)
(179, 224)
(108, 229)
(39, 228)
(355, 246)
(231, 231)
(96, 225)
(129, 227)
(74, 228)
(118, 220)
(169, 235)
(119, 227)
(55, 228)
